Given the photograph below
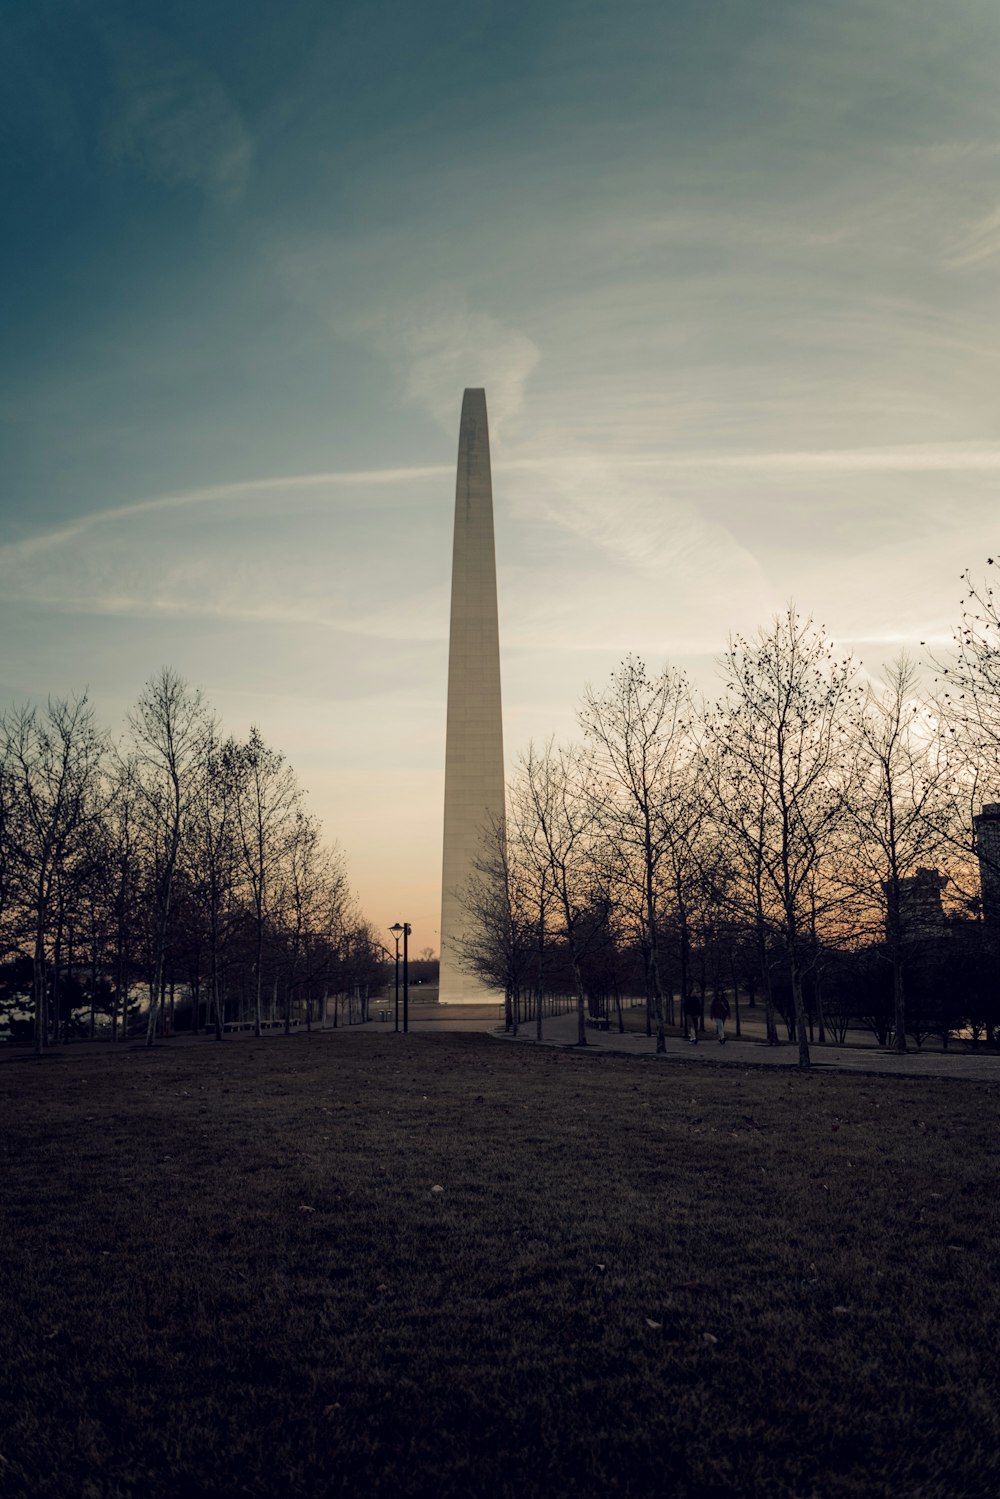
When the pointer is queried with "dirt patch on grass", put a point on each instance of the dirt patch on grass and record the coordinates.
(225, 1271)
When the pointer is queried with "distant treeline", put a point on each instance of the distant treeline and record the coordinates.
(171, 861)
(809, 840)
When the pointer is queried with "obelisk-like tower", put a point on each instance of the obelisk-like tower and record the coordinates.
(473, 773)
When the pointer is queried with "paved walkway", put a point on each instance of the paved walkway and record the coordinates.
(561, 1030)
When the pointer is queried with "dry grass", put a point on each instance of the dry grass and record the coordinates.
(225, 1273)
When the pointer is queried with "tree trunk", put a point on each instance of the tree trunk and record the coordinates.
(93, 977)
(153, 985)
(119, 964)
(734, 978)
(765, 968)
(581, 1004)
(820, 1016)
(56, 996)
(41, 986)
(654, 957)
(154, 978)
(685, 956)
(159, 957)
(194, 984)
(800, 1014)
(898, 1002)
(257, 978)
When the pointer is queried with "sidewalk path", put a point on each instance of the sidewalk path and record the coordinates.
(560, 1030)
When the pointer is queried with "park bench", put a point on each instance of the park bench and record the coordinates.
(598, 1022)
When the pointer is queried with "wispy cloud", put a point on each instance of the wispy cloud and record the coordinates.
(783, 233)
(213, 494)
(979, 242)
(904, 459)
(171, 116)
(439, 344)
(450, 349)
(428, 331)
(307, 550)
(660, 538)
(949, 152)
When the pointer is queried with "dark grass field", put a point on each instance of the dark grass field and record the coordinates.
(224, 1272)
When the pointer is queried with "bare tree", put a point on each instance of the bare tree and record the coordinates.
(312, 904)
(560, 795)
(777, 743)
(497, 945)
(330, 916)
(123, 877)
(640, 732)
(267, 798)
(899, 799)
(684, 820)
(210, 857)
(741, 836)
(968, 711)
(94, 900)
(9, 813)
(172, 729)
(53, 761)
(971, 681)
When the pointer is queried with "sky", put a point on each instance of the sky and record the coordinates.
(728, 273)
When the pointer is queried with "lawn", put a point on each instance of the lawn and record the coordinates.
(225, 1271)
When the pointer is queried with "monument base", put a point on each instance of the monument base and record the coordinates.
(458, 988)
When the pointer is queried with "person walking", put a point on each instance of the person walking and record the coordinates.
(720, 1014)
(692, 1015)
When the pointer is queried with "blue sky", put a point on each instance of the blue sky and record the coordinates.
(728, 273)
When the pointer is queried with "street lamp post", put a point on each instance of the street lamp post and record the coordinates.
(396, 931)
(403, 929)
(406, 978)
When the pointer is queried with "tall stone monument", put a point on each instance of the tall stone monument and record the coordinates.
(473, 773)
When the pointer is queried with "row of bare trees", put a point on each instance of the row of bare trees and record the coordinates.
(172, 857)
(764, 835)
